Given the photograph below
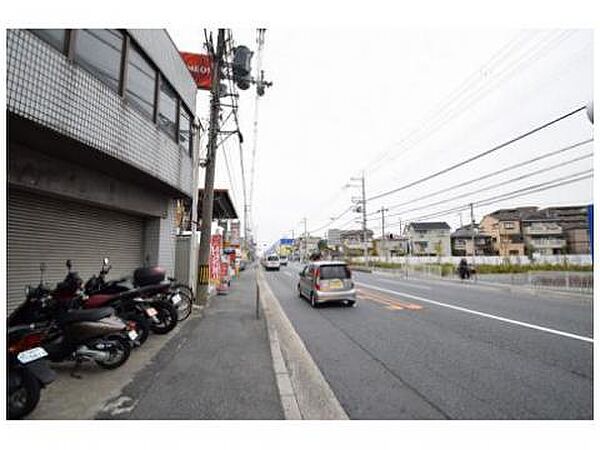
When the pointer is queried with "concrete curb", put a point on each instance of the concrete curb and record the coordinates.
(305, 394)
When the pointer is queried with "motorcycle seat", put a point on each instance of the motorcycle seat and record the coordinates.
(86, 315)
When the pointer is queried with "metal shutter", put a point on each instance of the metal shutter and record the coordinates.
(44, 229)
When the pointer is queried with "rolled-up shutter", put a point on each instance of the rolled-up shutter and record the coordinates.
(46, 230)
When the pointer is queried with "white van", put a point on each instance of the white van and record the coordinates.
(271, 262)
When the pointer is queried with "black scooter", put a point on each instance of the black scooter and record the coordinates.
(147, 299)
(28, 371)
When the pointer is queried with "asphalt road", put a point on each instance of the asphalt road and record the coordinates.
(441, 350)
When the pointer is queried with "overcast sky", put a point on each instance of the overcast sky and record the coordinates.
(403, 104)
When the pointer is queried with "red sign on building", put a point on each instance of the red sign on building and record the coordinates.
(200, 66)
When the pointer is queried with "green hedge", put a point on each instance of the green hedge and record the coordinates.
(448, 269)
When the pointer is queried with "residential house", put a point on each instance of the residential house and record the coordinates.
(467, 238)
(504, 226)
(576, 229)
(542, 235)
(392, 245)
(429, 238)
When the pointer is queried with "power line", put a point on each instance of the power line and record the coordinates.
(492, 186)
(334, 219)
(479, 155)
(510, 195)
(497, 172)
(461, 105)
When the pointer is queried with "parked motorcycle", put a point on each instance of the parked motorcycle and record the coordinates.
(71, 334)
(28, 370)
(148, 301)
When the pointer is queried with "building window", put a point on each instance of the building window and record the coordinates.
(99, 52)
(167, 114)
(508, 225)
(185, 129)
(54, 37)
(141, 82)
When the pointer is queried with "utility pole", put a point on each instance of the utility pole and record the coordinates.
(363, 209)
(383, 211)
(364, 212)
(473, 232)
(305, 249)
(209, 180)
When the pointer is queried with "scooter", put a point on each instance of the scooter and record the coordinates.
(179, 294)
(70, 334)
(28, 371)
(147, 300)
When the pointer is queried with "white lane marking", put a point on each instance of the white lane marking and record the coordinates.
(482, 314)
(287, 273)
(418, 286)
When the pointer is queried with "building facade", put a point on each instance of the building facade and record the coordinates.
(504, 226)
(429, 239)
(542, 235)
(469, 240)
(100, 145)
(575, 225)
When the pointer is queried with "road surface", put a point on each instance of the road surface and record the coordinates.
(444, 350)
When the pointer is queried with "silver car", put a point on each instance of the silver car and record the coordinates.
(327, 281)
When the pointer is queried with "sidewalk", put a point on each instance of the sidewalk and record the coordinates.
(218, 367)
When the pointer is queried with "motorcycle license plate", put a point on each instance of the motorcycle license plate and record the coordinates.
(176, 299)
(132, 335)
(31, 355)
(151, 312)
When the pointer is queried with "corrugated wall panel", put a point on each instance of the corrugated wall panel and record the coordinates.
(44, 229)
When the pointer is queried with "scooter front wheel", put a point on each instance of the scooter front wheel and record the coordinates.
(24, 393)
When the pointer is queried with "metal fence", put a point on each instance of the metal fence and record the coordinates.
(579, 282)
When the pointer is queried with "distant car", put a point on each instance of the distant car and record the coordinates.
(271, 262)
(243, 264)
(327, 281)
(283, 260)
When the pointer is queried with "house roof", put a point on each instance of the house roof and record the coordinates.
(514, 213)
(465, 232)
(422, 226)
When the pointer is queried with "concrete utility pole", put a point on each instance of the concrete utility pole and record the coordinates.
(363, 208)
(305, 249)
(209, 180)
(383, 211)
(193, 274)
(473, 232)
(364, 212)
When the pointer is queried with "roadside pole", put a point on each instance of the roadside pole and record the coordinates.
(383, 240)
(473, 233)
(305, 250)
(364, 214)
(193, 272)
(209, 180)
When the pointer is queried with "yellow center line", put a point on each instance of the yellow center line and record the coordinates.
(390, 302)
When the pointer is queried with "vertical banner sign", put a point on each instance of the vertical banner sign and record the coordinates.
(214, 261)
(591, 229)
(200, 66)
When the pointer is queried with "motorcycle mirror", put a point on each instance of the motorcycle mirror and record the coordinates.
(69, 264)
(105, 261)
(43, 267)
(27, 290)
